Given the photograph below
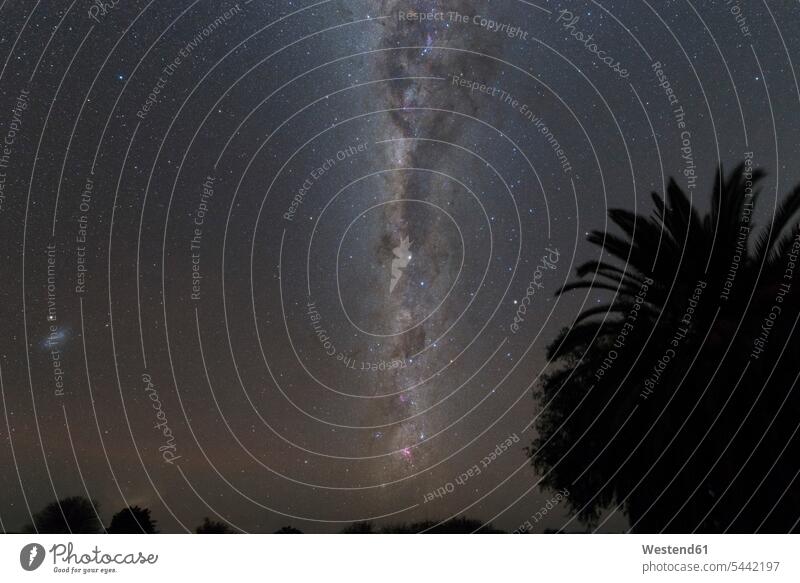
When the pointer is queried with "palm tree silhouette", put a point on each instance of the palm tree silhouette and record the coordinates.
(72, 515)
(659, 402)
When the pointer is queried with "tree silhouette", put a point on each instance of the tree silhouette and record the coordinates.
(132, 520)
(75, 514)
(458, 525)
(213, 527)
(363, 527)
(670, 402)
(288, 530)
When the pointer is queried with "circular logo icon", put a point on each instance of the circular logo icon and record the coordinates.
(31, 556)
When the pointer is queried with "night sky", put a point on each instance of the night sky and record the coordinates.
(265, 261)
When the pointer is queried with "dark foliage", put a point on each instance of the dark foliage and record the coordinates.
(213, 527)
(75, 515)
(132, 520)
(677, 400)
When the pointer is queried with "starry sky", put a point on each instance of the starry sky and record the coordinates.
(280, 262)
